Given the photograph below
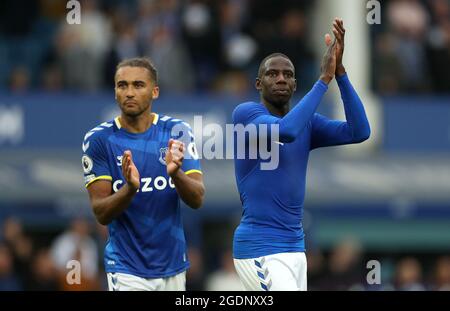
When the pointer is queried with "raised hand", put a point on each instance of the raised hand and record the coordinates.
(328, 66)
(339, 33)
(130, 172)
(174, 156)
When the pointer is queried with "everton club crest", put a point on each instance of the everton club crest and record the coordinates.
(162, 155)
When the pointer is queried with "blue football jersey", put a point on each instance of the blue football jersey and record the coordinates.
(272, 200)
(147, 239)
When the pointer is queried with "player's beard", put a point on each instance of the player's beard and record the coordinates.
(133, 113)
(278, 101)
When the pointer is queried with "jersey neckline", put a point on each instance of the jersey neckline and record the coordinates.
(120, 128)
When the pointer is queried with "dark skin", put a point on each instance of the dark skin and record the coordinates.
(277, 83)
(339, 33)
(135, 91)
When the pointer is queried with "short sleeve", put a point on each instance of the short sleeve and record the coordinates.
(182, 131)
(94, 161)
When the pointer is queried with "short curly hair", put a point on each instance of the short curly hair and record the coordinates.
(140, 62)
(262, 65)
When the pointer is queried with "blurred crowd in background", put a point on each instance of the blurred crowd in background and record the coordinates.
(411, 51)
(39, 262)
(196, 45)
(213, 46)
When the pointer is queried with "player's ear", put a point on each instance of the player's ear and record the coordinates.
(295, 85)
(258, 84)
(155, 92)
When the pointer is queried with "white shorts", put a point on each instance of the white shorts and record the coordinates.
(277, 272)
(128, 282)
